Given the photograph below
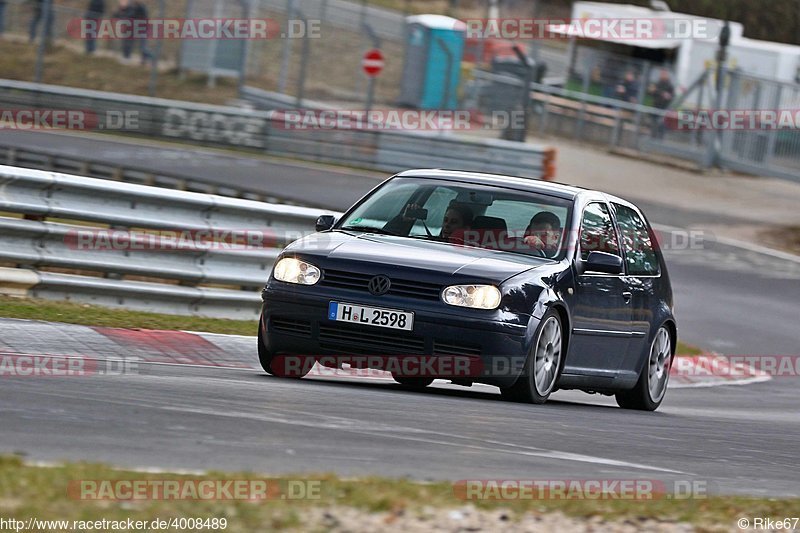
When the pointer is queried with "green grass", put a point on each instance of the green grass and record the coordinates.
(42, 492)
(688, 349)
(90, 315)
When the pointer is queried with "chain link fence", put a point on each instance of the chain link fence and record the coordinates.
(752, 126)
(583, 93)
(774, 149)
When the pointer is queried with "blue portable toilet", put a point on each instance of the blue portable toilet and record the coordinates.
(432, 67)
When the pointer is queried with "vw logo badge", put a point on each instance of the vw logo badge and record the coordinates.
(379, 285)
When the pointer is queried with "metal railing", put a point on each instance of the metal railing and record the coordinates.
(650, 130)
(139, 247)
(266, 132)
(127, 172)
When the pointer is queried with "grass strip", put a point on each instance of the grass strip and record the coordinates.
(44, 492)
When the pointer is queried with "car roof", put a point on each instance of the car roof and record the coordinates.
(530, 184)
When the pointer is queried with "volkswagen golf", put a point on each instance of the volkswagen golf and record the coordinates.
(526, 285)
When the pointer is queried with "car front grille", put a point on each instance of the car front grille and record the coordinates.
(365, 342)
(291, 326)
(400, 287)
(347, 339)
(451, 348)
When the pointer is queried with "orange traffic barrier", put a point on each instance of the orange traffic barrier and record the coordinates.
(549, 164)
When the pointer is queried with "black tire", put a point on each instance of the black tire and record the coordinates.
(264, 357)
(643, 397)
(525, 389)
(414, 383)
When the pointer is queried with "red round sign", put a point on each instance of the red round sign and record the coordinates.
(373, 62)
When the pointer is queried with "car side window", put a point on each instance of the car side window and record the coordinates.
(597, 231)
(639, 252)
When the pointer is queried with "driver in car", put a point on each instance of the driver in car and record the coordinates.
(543, 232)
(457, 217)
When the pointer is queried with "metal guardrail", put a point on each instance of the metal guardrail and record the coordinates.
(217, 280)
(127, 172)
(390, 151)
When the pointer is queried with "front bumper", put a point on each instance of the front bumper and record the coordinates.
(295, 321)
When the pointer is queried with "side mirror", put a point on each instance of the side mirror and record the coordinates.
(325, 222)
(603, 262)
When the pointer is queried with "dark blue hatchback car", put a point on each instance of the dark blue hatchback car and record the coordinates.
(522, 284)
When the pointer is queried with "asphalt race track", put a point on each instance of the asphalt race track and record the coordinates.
(739, 439)
(283, 178)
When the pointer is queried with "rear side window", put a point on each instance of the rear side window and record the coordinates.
(639, 252)
(597, 231)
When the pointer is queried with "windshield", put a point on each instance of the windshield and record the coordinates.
(464, 214)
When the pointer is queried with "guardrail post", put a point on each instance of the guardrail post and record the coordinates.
(773, 133)
(587, 78)
(304, 57)
(153, 84)
(286, 53)
(545, 113)
(46, 19)
(617, 131)
(640, 101)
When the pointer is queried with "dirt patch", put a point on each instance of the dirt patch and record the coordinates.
(786, 238)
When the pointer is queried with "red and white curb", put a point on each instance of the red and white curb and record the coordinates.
(712, 370)
(189, 348)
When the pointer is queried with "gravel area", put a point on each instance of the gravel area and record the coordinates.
(463, 519)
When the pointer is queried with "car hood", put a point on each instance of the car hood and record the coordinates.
(334, 247)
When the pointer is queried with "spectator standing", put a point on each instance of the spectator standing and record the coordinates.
(94, 11)
(628, 89)
(132, 10)
(662, 93)
(140, 13)
(38, 15)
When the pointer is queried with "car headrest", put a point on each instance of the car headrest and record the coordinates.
(490, 223)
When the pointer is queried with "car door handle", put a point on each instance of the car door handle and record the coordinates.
(627, 297)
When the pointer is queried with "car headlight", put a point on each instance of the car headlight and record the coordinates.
(476, 296)
(291, 270)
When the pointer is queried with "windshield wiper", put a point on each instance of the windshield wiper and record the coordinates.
(368, 229)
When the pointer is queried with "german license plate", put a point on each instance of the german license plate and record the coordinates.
(371, 316)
